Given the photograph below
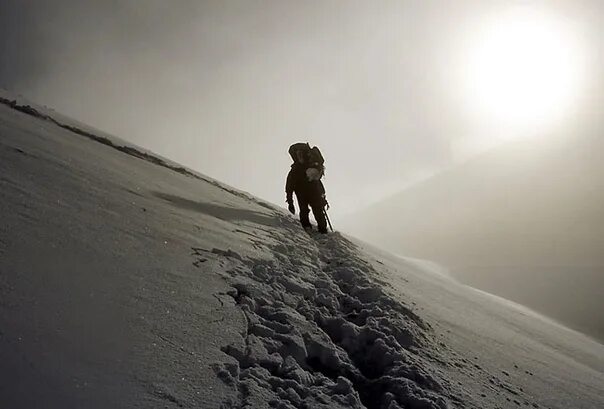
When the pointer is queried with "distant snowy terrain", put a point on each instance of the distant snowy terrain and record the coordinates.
(524, 221)
(129, 281)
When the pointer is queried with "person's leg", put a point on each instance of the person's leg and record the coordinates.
(319, 212)
(304, 211)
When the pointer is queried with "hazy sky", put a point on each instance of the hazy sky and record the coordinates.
(225, 87)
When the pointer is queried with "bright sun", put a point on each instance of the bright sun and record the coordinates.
(523, 70)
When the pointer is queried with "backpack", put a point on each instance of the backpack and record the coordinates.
(303, 154)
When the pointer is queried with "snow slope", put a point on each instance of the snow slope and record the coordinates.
(129, 281)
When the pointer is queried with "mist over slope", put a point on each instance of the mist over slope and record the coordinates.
(129, 281)
(523, 221)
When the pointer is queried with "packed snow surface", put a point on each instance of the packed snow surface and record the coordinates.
(129, 281)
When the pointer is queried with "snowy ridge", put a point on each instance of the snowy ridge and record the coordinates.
(328, 335)
(22, 105)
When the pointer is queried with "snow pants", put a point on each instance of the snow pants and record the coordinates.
(317, 211)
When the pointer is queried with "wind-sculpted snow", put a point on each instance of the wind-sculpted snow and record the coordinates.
(321, 332)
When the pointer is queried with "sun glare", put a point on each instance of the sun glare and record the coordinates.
(523, 70)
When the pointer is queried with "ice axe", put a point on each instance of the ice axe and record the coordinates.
(327, 218)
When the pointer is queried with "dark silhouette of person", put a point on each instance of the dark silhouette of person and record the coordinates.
(310, 192)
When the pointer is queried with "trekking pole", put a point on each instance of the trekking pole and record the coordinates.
(327, 217)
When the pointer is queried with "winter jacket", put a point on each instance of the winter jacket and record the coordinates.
(307, 191)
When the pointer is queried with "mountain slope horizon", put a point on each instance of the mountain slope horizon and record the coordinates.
(522, 221)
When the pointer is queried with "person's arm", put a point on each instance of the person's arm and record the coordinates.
(323, 194)
(290, 185)
(321, 188)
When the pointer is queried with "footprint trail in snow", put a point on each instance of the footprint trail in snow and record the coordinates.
(322, 333)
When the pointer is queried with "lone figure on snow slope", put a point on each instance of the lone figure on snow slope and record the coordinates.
(304, 179)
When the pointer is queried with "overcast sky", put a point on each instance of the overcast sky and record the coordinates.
(225, 87)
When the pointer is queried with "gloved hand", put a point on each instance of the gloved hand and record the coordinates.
(325, 203)
(291, 208)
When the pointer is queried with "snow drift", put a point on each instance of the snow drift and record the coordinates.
(127, 280)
